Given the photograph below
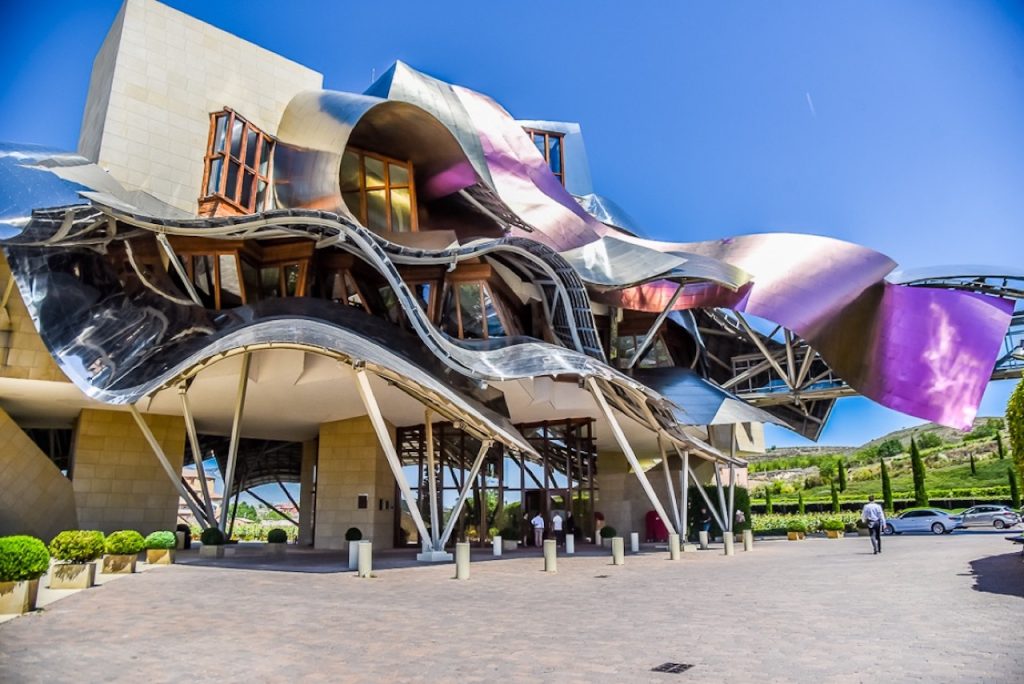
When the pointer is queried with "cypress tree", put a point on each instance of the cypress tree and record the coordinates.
(917, 465)
(842, 476)
(835, 499)
(1014, 491)
(886, 487)
(768, 501)
(999, 446)
(974, 469)
(800, 503)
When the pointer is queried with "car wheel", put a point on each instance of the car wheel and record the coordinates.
(887, 530)
(999, 524)
(937, 528)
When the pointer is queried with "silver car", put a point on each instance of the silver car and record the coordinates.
(934, 520)
(990, 515)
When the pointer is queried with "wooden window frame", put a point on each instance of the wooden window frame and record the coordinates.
(232, 196)
(189, 264)
(548, 135)
(387, 187)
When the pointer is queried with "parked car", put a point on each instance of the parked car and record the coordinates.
(988, 515)
(934, 520)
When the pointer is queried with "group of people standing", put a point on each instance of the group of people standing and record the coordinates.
(559, 526)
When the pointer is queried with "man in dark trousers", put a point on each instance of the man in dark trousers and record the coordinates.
(874, 516)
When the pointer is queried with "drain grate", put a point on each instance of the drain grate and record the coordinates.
(674, 668)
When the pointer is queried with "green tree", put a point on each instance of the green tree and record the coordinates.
(890, 447)
(1014, 491)
(886, 487)
(842, 475)
(768, 501)
(246, 510)
(999, 446)
(826, 469)
(917, 466)
(800, 503)
(928, 440)
(1015, 425)
(974, 469)
(835, 498)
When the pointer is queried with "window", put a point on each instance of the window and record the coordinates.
(470, 312)
(379, 191)
(215, 278)
(550, 146)
(656, 356)
(237, 163)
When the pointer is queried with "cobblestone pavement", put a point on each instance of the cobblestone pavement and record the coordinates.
(930, 609)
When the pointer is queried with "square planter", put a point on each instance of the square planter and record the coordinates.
(834, 534)
(119, 564)
(863, 532)
(160, 556)
(211, 551)
(72, 575)
(795, 536)
(18, 597)
(275, 549)
(509, 544)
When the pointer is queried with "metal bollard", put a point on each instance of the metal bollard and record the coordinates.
(618, 550)
(462, 560)
(634, 542)
(550, 555)
(570, 544)
(727, 538)
(703, 536)
(365, 558)
(497, 546)
(673, 546)
(748, 540)
(353, 555)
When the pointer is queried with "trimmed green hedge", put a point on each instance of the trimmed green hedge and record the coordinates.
(833, 524)
(607, 532)
(211, 536)
(277, 536)
(77, 546)
(797, 526)
(353, 534)
(161, 540)
(22, 558)
(124, 543)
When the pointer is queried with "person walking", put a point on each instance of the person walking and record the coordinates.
(556, 527)
(538, 530)
(874, 516)
(705, 521)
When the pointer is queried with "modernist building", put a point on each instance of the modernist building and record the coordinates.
(415, 306)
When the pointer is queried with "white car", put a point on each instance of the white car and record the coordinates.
(934, 520)
(990, 515)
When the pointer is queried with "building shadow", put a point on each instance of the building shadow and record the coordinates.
(999, 574)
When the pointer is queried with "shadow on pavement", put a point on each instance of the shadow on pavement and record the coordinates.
(1002, 574)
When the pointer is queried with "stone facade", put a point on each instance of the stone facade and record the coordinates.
(118, 481)
(22, 352)
(350, 462)
(35, 498)
(157, 77)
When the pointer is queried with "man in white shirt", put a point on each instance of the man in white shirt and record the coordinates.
(556, 526)
(874, 516)
(538, 530)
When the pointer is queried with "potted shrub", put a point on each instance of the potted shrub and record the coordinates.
(74, 552)
(509, 532)
(607, 532)
(277, 541)
(213, 543)
(23, 560)
(160, 547)
(122, 550)
(833, 528)
(796, 530)
(862, 528)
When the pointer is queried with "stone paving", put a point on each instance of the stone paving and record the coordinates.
(929, 609)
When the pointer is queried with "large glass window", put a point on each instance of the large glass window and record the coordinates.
(379, 191)
(471, 313)
(237, 163)
(656, 356)
(215, 278)
(549, 144)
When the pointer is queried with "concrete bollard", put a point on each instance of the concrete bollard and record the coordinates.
(748, 540)
(618, 550)
(634, 542)
(550, 555)
(703, 536)
(729, 550)
(365, 558)
(462, 560)
(353, 555)
(496, 543)
(673, 546)
(570, 544)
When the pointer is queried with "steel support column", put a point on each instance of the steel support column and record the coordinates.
(464, 494)
(627, 451)
(732, 479)
(641, 348)
(236, 434)
(158, 451)
(703, 494)
(197, 456)
(684, 483)
(435, 523)
(721, 499)
(671, 487)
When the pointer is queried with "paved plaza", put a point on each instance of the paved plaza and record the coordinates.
(930, 609)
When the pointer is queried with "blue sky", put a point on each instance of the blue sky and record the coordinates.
(892, 124)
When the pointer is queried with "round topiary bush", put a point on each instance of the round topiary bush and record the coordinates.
(124, 543)
(77, 546)
(353, 534)
(797, 526)
(607, 532)
(161, 540)
(22, 558)
(211, 536)
(277, 536)
(833, 524)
